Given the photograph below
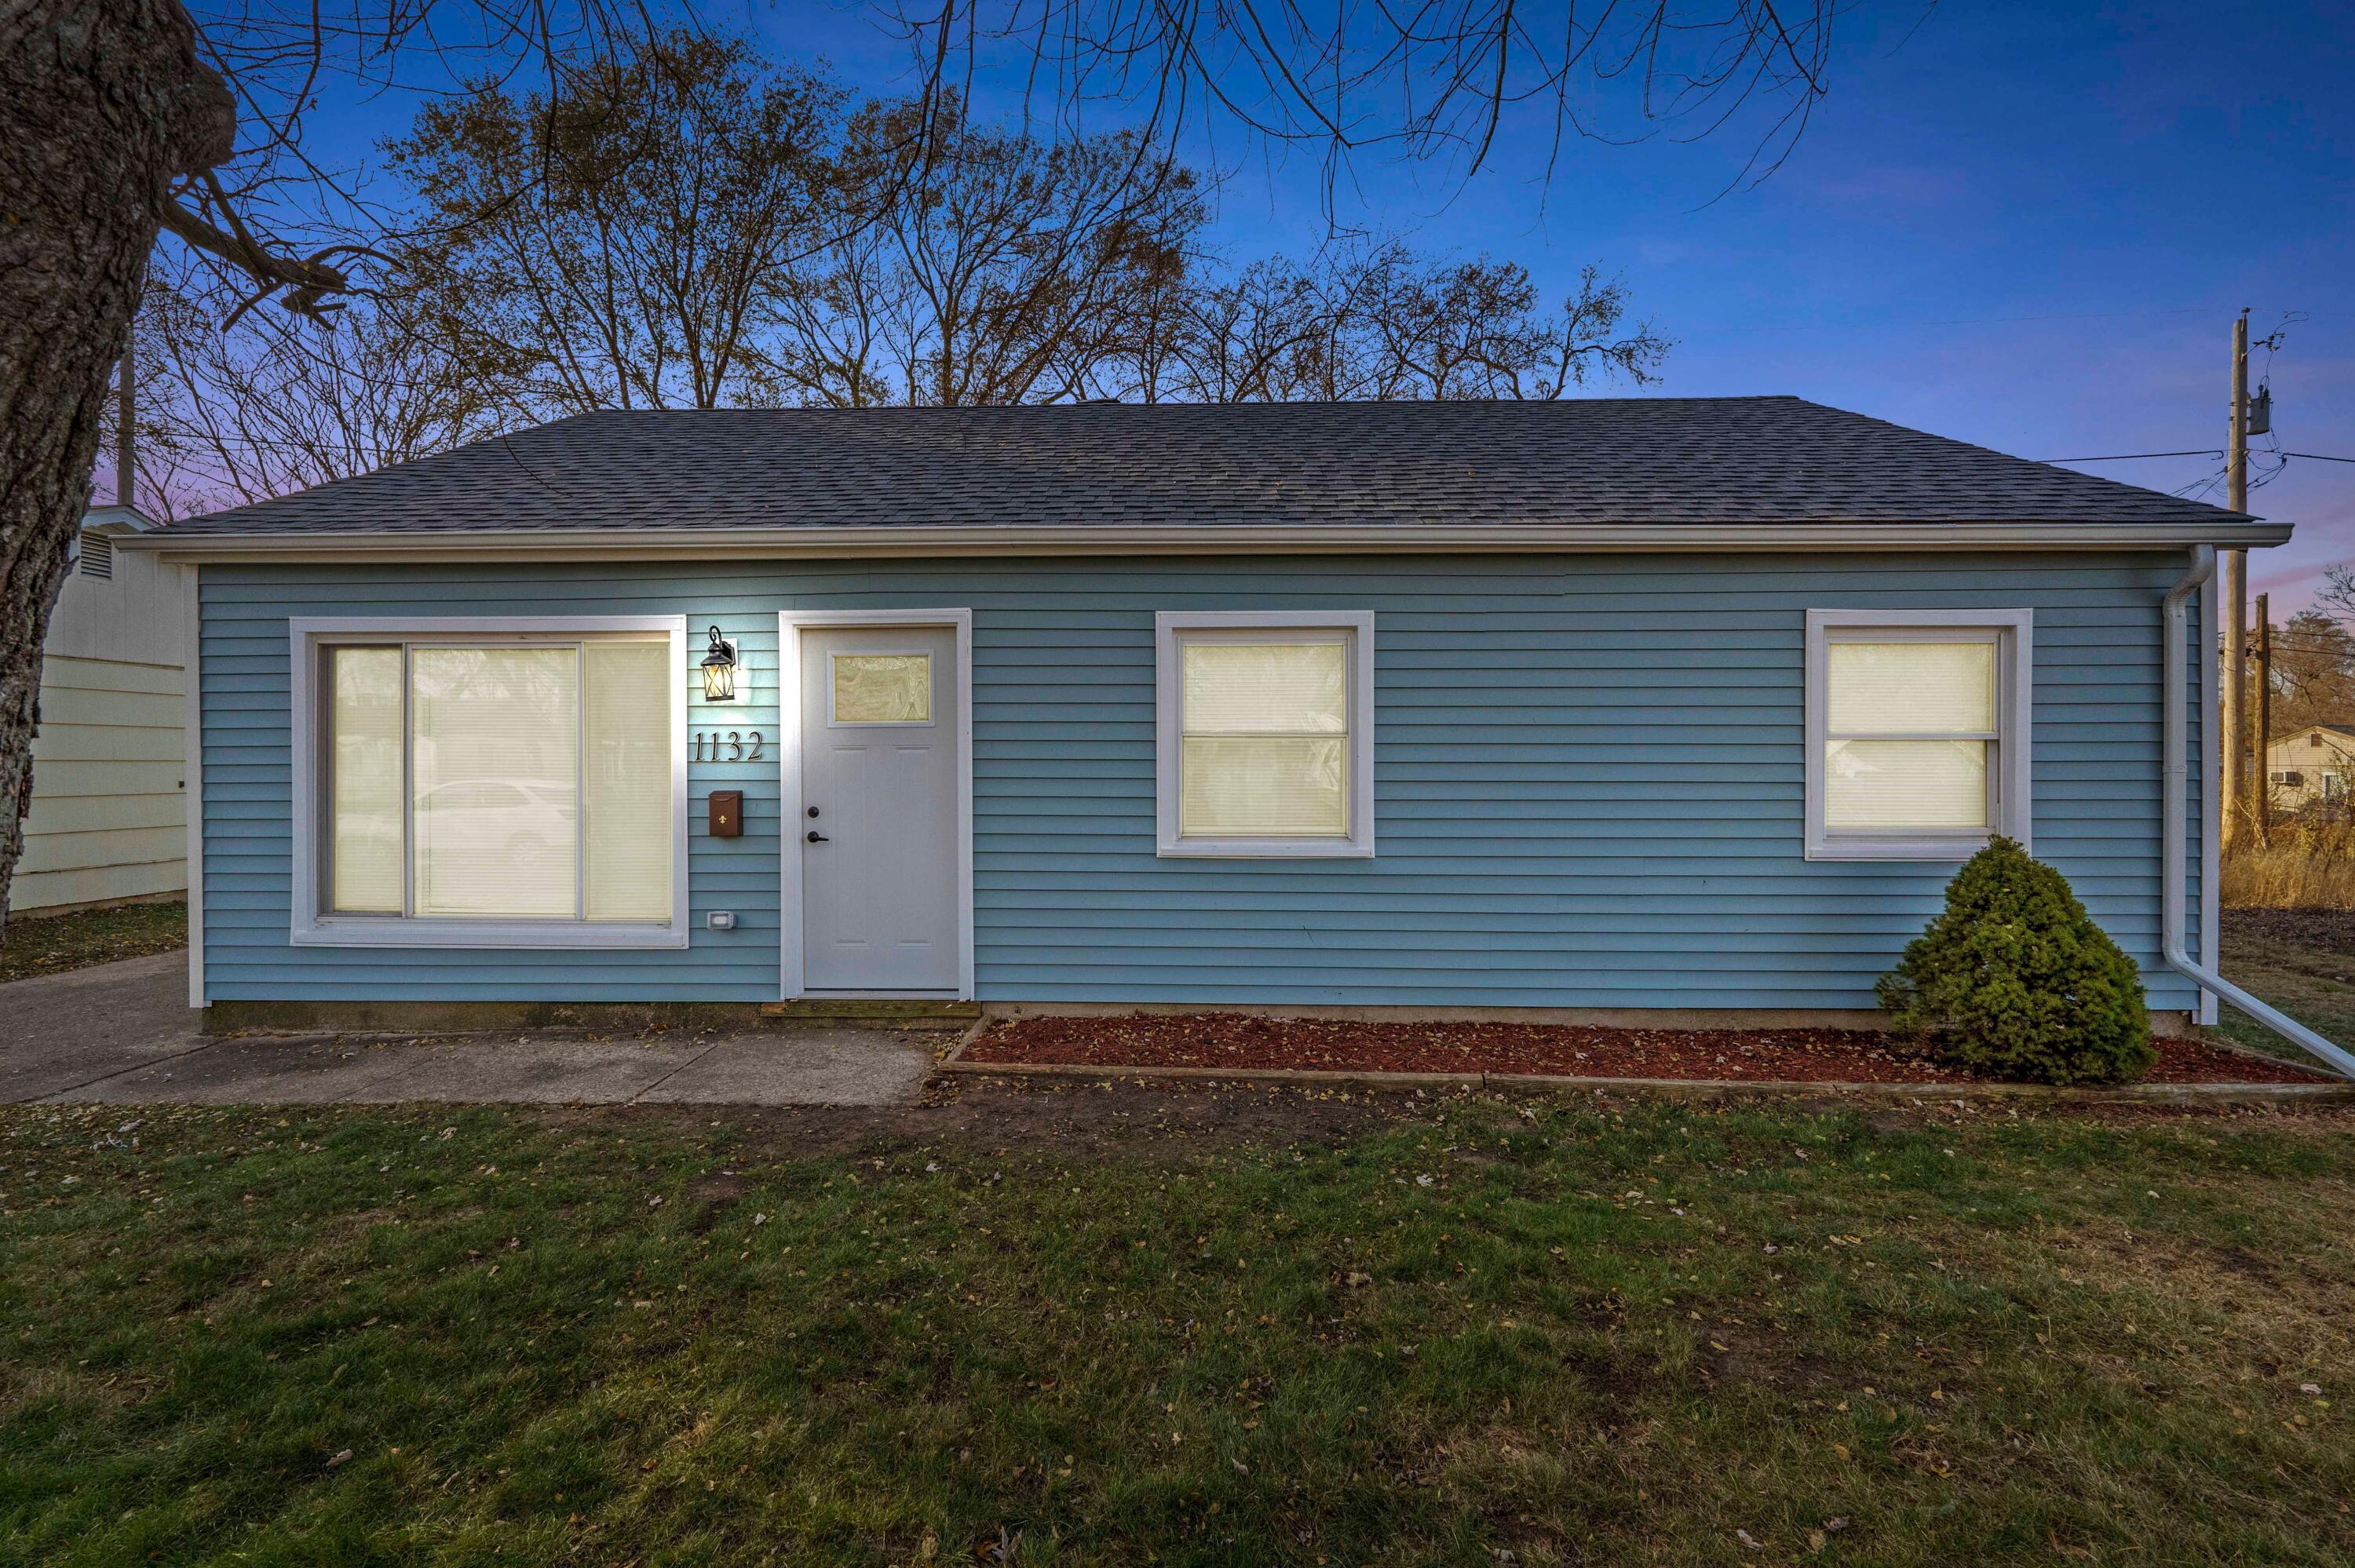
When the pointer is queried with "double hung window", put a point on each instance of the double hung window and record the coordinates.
(1917, 736)
(1267, 734)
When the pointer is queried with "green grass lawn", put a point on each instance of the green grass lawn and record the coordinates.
(51, 944)
(1186, 1326)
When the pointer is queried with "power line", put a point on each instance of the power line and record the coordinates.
(2319, 457)
(2129, 457)
(1901, 324)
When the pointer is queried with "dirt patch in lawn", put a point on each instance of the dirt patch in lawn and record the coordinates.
(2330, 930)
(1181, 1119)
(1240, 1042)
(1111, 1119)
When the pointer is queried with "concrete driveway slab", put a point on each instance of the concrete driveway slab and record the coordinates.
(60, 1032)
(808, 1066)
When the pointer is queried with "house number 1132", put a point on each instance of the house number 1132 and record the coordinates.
(724, 745)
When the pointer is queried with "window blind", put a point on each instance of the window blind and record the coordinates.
(1264, 748)
(1913, 688)
(626, 780)
(1912, 724)
(495, 767)
(364, 780)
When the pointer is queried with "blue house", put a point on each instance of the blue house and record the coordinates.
(1672, 710)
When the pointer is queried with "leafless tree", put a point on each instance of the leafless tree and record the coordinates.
(834, 319)
(1382, 322)
(2337, 599)
(994, 268)
(616, 241)
(2314, 661)
(1435, 83)
(1473, 329)
(1250, 338)
(226, 419)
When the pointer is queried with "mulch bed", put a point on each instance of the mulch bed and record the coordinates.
(1239, 1042)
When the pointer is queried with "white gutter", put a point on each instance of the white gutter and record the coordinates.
(820, 541)
(2173, 757)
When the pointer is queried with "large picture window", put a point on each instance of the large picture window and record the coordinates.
(494, 786)
(1266, 724)
(1917, 738)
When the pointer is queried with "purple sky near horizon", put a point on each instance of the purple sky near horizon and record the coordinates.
(2024, 225)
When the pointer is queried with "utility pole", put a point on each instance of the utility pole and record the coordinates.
(126, 402)
(2265, 722)
(2236, 590)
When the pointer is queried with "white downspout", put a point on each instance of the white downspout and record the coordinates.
(2174, 757)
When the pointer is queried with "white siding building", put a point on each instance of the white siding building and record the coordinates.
(2317, 764)
(109, 818)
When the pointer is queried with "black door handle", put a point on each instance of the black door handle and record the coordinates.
(818, 837)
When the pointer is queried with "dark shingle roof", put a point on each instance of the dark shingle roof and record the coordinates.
(1762, 460)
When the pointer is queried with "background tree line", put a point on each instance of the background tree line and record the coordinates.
(687, 224)
(2313, 671)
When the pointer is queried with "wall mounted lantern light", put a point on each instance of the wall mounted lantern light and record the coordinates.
(720, 670)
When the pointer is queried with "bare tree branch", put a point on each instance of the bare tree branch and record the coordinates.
(1438, 81)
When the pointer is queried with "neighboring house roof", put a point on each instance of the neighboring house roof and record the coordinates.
(1754, 463)
(2296, 735)
(117, 519)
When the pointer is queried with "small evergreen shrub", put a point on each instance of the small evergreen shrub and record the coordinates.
(2016, 980)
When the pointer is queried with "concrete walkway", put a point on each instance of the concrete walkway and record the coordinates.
(123, 1033)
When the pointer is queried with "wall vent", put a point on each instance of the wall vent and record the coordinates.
(97, 556)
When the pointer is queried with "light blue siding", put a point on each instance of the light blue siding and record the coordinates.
(1588, 778)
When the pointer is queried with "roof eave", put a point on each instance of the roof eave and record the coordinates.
(704, 544)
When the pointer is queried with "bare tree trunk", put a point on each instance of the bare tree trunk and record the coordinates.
(101, 103)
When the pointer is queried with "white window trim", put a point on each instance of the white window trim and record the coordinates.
(2014, 813)
(792, 960)
(313, 927)
(1168, 693)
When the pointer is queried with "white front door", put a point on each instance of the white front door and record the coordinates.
(880, 888)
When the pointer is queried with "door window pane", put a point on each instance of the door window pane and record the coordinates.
(495, 737)
(882, 688)
(364, 780)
